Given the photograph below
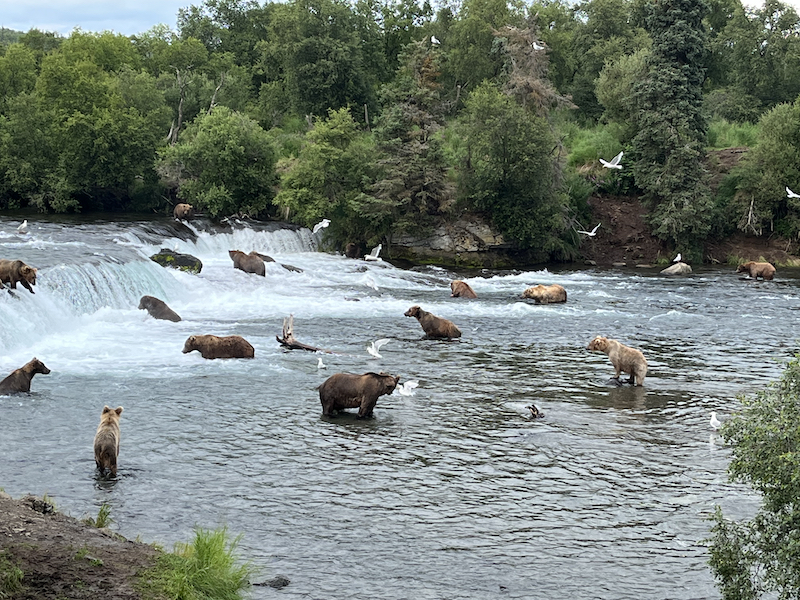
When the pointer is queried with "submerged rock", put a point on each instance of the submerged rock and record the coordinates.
(680, 268)
(176, 260)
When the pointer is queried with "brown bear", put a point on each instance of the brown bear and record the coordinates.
(624, 358)
(158, 309)
(546, 294)
(12, 271)
(249, 263)
(106, 440)
(212, 346)
(757, 269)
(20, 379)
(352, 250)
(345, 390)
(433, 326)
(461, 289)
(183, 211)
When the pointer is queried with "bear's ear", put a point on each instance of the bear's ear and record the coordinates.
(396, 379)
(106, 409)
(118, 410)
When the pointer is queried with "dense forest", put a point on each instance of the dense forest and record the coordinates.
(388, 117)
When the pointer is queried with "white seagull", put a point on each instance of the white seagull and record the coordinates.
(614, 164)
(714, 422)
(407, 388)
(375, 346)
(591, 233)
(537, 46)
(24, 227)
(677, 258)
(791, 194)
(434, 40)
(373, 255)
(320, 364)
(321, 225)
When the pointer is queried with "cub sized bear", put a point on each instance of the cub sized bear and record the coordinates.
(106, 440)
(757, 269)
(183, 211)
(461, 289)
(212, 346)
(433, 326)
(249, 263)
(158, 309)
(624, 358)
(345, 390)
(20, 379)
(546, 294)
(12, 271)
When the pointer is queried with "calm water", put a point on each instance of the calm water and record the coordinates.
(451, 493)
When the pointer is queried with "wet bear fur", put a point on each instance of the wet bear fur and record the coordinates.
(13, 271)
(212, 346)
(433, 326)
(249, 263)
(20, 379)
(106, 440)
(345, 390)
(158, 309)
(461, 289)
(757, 269)
(624, 358)
(183, 211)
(546, 294)
(352, 250)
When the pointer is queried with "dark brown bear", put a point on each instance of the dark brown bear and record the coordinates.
(345, 390)
(106, 440)
(183, 211)
(757, 269)
(20, 379)
(461, 289)
(12, 271)
(212, 346)
(249, 263)
(433, 326)
(158, 309)
(352, 250)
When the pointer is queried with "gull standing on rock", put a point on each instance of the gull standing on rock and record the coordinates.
(614, 164)
(320, 364)
(677, 258)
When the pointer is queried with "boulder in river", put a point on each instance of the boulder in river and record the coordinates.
(176, 260)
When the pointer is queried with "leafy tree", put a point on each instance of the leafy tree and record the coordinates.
(224, 164)
(615, 86)
(18, 72)
(762, 556)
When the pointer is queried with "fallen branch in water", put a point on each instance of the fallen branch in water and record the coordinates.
(288, 340)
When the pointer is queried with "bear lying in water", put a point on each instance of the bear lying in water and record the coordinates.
(20, 379)
(433, 326)
(106, 440)
(345, 390)
(212, 346)
(624, 358)
(13, 271)
(546, 294)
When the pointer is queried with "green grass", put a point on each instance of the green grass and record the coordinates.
(723, 134)
(103, 517)
(587, 145)
(10, 578)
(204, 569)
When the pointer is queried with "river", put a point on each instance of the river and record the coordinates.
(452, 493)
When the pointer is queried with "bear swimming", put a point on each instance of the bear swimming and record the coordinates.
(106, 440)
(461, 289)
(757, 269)
(183, 211)
(249, 263)
(20, 379)
(212, 346)
(158, 309)
(345, 390)
(546, 294)
(12, 271)
(624, 358)
(433, 326)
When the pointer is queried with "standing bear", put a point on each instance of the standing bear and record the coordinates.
(20, 379)
(183, 211)
(546, 294)
(212, 346)
(249, 263)
(345, 390)
(158, 309)
(106, 441)
(624, 358)
(433, 326)
(13, 271)
(757, 269)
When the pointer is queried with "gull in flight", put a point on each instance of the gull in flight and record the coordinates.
(537, 46)
(321, 225)
(434, 40)
(375, 346)
(373, 255)
(614, 164)
(791, 194)
(24, 227)
(591, 233)
(714, 422)
(407, 388)
(320, 364)
(677, 258)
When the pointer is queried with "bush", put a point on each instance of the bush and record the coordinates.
(587, 146)
(726, 134)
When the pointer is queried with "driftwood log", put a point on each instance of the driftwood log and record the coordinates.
(287, 339)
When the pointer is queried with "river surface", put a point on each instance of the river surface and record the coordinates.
(452, 493)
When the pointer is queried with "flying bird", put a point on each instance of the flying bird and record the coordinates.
(320, 364)
(614, 164)
(677, 258)
(591, 233)
(434, 40)
(537, 46)
(321, 225)
(24, 227)
(375, 346)
(791, 194)
(373, 255)
(407, 388)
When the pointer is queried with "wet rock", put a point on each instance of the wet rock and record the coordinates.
(680, 268)
(590, 263)
(176, 260)
(277, 582)
(619, 264)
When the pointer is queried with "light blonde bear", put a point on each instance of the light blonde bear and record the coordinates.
(624, 358)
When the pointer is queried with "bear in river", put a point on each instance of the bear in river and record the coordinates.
(433, 326)
(757, 269)
(546, 294)
(624, 358)
(106, 440)
(249, 263)
(345, 390)
(183, 211)
(461, 289)
(158, 309)
(13, 271)
(212, 346)
(20, 379)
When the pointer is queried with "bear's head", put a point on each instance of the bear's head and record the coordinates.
(414, 311)
(536, 291)
(388, 382)
(110, 415)
(744, 267)
(598, 344)
(37, 366)
(29, 273)
(191, 344)
(146, 302)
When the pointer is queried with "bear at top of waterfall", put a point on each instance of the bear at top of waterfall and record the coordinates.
(249, 263)
(20, 379)
(346, 390)
(461, 289)
(106, 440)
(183, 211)
(624, 358)
(13, 271)
(212, 346)
(757, 269)
(546, 294)
(433, 326)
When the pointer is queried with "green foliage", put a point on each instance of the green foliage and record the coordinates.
(223, 164)
(724, 134)
(11, 577)
(732, 104)
(615, 86)
(762, 556)
(103, 517)
(587, 145)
